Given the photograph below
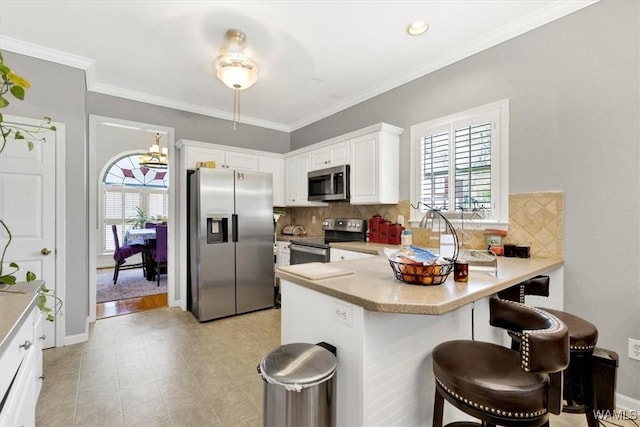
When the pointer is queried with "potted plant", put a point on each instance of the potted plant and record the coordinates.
(14, 84)
(141, 218)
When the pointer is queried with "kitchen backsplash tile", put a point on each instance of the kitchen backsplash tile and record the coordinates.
(535, 219)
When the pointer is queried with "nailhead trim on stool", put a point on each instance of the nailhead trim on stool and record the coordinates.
(494, 411)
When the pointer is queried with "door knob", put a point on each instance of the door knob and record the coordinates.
(45, 251)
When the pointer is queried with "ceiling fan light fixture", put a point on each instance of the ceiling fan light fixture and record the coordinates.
(416, 28)
(235, 69)
(238, 74)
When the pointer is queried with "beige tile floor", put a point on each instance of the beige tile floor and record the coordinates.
(163, 368)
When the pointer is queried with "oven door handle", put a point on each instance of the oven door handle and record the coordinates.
(307, 249)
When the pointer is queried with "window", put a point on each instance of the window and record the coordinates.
(126, 186)
(460, 164)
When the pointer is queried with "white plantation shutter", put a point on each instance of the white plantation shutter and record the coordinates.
(458, 162)
(158, 202)
(473, 167)
(126, 187)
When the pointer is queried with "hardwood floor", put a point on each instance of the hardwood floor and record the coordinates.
(131, 305)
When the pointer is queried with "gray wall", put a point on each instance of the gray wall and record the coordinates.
(189, 125)
(573, 87)
(58, 92)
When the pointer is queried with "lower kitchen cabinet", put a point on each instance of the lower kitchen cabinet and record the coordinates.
(22, 373)
(343, 255)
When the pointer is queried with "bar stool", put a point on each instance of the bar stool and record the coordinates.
(498, 385)
(578, 391)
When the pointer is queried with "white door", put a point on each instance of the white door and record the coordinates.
(28, 208)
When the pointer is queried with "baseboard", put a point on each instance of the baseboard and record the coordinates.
(627, 403)
(79, 338)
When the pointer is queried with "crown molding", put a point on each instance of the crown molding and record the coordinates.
(182, 106)
(48, 54)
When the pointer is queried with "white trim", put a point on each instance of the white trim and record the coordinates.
(61, 229)
(48, 54)
(95, 182)
(182, 106)
(78, 338)
(501, 158)
(60, 211)
(627, 403)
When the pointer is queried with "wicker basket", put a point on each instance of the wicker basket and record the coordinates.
(418, 274)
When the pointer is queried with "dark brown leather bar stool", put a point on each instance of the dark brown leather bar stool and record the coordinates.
(498, 385)
(578, 391)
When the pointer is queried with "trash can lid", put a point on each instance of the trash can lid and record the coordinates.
(300, 365)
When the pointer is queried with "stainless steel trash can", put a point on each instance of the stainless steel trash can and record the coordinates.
(298, 385)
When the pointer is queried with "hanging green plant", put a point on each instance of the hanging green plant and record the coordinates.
(14, 84)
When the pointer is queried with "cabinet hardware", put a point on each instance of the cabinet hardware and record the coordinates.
(41, 377)
(43, 337)
(26, 345)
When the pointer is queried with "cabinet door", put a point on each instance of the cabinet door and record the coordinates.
(364, 169)
(291, 186)
(342, 255)
(326, 157)
(274, 166)
(339, 154)
(200, 154)
(319, 159)
(241, 161)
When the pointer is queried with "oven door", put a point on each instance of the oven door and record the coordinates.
(301, 254)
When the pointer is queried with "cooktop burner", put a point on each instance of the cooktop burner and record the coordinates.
(337, 230)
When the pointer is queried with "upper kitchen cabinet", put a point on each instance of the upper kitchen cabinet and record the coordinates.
(193, 152)
(275, 166)
(329, 156)
(375, 158)
(296, 186)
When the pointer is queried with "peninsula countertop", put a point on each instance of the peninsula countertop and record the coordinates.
(16, 302)
(370, 283)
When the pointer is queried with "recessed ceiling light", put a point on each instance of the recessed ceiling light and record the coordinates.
(417, 28)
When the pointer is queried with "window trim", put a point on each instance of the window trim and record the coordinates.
(102, 188)
(500, 210)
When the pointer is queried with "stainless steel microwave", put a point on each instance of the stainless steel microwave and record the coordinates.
(329, 185)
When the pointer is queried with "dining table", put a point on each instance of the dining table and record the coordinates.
(147, 238)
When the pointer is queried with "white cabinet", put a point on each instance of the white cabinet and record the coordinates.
(283, 255)
(329, 156)
(274, 166)
(343, 255)
(194, 152)
(375, 161)
(224, 159)
(296, 186)
(21, 373)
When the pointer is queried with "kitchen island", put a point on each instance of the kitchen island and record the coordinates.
(384, 329)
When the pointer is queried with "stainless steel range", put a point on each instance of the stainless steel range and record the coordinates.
(316, 249)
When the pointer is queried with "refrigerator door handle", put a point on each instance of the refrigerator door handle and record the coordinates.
(234, 227)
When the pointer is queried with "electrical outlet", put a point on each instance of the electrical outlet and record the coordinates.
(401, 219)
(342, 313)
(634, 349)
(313, 219)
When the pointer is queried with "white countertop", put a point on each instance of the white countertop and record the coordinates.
(373, 286)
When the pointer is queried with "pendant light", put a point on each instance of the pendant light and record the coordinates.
(156, 157)
(235, 69)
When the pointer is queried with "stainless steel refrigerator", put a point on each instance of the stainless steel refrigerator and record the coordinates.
(231, 242)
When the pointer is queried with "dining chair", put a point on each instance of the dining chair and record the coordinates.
(160, 251)
(121, 254)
